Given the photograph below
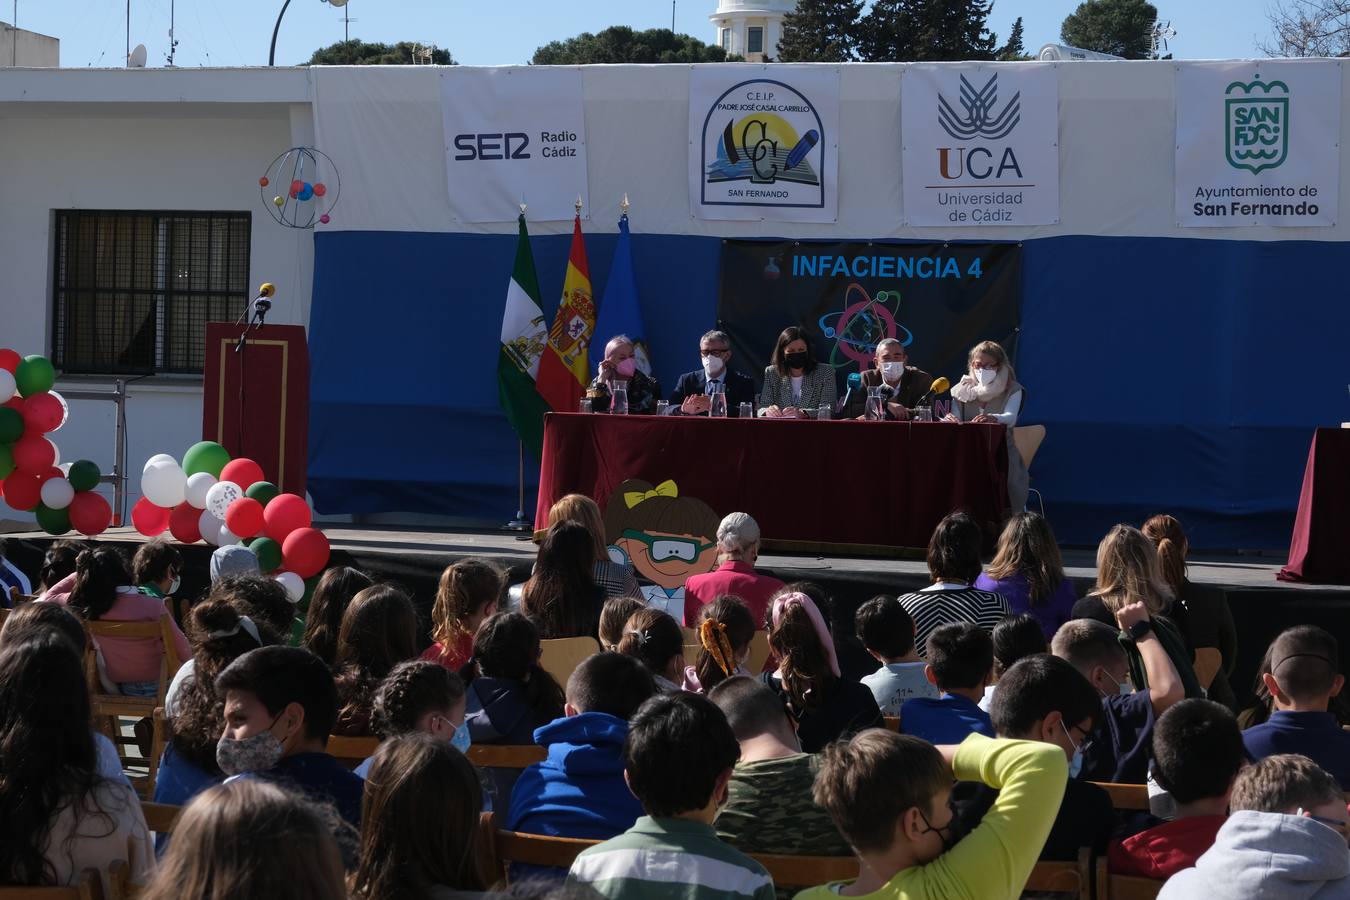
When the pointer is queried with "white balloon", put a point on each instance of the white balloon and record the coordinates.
(7, 385)
(65, 409)
(65, 469)
(56, 451)
(226, 537)
(57, 493)
(294, 585)
(210, 527)
(220, 496)
(198, 484)
(163, 484)
(156, 460)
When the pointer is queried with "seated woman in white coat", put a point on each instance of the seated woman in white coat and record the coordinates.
(989, 394)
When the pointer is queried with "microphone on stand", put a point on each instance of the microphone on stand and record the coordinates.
(256, 312)
(940, 385)
(854, 380)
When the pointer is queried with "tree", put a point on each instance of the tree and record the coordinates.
(1309, 28)
(1120, 27)
(1013, 50)
(821, 31)
(360, 53)
(926, 31)
(621, 44)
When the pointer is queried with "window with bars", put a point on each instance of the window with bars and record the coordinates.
(134, 290)
(754, 41)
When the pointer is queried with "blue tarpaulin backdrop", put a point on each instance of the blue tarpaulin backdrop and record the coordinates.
(1173, 375)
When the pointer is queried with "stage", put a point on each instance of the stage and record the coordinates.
(1261, 605)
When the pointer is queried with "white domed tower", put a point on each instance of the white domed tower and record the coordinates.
(751, 28)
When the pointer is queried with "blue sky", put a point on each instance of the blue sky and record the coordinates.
(237, 32)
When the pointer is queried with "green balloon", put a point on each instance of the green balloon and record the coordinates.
(84, 475)
(262, 491)
(34, 375)
(11, 425)
(53, 521)
(268, 552)
(205, 456)
(6, 460)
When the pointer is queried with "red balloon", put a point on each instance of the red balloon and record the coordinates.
(183, 523)
(242, 472)
(244, 517)
(15, 402)
(89, 513)
(42, 413)
(9, 360)
(149, 519)
(23, 491)
(33, 454)
(284, 514)
(48, 475)
(305, 551)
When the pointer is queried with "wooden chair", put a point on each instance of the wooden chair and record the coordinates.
(1028, 439)
(161, 818)
(892, 723)
(506, 756)
(561, 656)
(1126, 796)
(351, 751)
(759, 653)
(1128, 887)
(89, 887)
(1072, 878)
(498, 849)
(690, 636)
(805, 871)
(1208, 662)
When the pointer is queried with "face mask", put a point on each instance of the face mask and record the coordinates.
(797, 360)
(944, 833)
(626, 368)
(258, 753)
(462, 740)
(892, 371)
(1075, 764)
(1125, 688)
(986, 376)
(175, 585)
(713, 366)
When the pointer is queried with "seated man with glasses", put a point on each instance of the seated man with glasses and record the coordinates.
(690, 397)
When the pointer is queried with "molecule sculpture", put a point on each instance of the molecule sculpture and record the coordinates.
(301, 188)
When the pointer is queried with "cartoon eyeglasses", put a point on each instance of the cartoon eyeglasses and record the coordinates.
(663, 549)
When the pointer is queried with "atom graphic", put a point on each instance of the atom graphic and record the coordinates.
(859, 327)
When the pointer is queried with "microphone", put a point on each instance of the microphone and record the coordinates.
(266, 289)
(854, 380)
(940, 385)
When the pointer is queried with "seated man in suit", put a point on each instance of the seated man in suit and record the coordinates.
(691, 391)
(906, 385)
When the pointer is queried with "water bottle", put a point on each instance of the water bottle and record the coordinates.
(717, 402)
(618, 400)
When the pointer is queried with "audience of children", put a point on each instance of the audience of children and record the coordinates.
(855, 663)
(953, 564)
(468, 593)
(960, 663)
(737, 550)
(420, 696)
(887, 632)
(156, 569)
(57, 563)
(1028, 572)
(725, 630)
(332, 595)
(562, 597)
(1197, 755)
(614, 579)
(379, 631)
(1016, 637)
(653, 638)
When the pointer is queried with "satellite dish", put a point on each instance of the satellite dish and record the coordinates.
(337, 2)
(137, 58)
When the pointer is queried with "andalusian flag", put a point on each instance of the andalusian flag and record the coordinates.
(565, 369)
(523, 341)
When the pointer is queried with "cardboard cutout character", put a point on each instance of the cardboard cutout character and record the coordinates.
(663, 536)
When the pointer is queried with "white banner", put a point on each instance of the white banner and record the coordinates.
(980, 144)
(1258, 143)
(513, 134)
(763, 142)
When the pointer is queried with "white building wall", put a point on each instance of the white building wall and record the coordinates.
(30, 50)
(141, 156)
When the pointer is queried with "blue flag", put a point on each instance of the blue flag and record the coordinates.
(619, 310)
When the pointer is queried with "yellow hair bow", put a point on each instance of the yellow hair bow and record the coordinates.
(666, 488)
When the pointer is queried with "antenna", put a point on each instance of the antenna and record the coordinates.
(1158, 35)
(173, 41)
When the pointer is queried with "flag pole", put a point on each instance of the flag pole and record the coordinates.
(520, 523)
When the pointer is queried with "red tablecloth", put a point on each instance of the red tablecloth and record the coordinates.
(1319, 551)
(826, 484)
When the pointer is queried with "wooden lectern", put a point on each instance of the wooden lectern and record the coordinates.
(256, 402)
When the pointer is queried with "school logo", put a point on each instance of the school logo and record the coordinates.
(979, 119)
(1256, 119)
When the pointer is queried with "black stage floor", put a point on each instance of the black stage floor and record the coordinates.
(1261, 605)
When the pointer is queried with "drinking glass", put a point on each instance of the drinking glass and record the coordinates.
(717, 402)
(662, 408)
(922, 414)
(585, 405)
(823, 413)
(876, 405)
(747, 411)
(618, 400)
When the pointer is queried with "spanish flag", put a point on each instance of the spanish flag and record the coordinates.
(564, 370)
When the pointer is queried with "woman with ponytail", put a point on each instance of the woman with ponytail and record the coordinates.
(725, 630)
(468, 593)
(825, 706)
(100, 589)
(1201, 613)
(654, 639)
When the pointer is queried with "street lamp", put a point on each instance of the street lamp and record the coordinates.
(272, 53)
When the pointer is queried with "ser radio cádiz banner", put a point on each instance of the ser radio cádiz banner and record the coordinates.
(1258, 143)
(980, 144)
(939, 300)
(764, 142)
(514, 135)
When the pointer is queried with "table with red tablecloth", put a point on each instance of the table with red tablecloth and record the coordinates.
(840, 485)
(1319, 551)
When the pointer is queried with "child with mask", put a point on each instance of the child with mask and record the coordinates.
(424, 696)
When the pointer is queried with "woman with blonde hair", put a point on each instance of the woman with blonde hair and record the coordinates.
(1128, 572)
(1028, 571)
(1201, 613)
(615, 579)
(250, 838)
(468, 593)
(989, 394)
